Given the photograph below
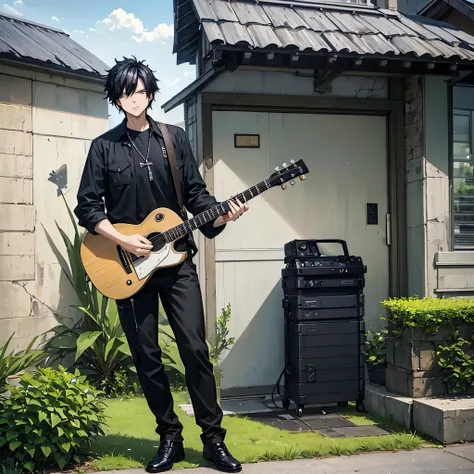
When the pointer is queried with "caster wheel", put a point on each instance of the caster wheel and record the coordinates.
(286, 403)
(299, 412)
(360, 407)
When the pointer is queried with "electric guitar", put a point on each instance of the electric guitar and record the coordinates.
(119, 274)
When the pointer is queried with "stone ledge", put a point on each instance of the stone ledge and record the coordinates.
(389, 406)
(448, 420)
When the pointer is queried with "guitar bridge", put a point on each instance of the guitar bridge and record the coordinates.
(124, 260)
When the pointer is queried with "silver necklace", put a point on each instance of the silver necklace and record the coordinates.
(147, 163)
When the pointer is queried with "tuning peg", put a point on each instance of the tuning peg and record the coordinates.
(283, 186)
(292, 162)
(302, 177)
(277, 168)
(284, 165)
(292, 182)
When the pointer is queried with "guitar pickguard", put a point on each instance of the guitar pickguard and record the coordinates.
(166, 257)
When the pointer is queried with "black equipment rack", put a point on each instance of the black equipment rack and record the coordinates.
(324, 307)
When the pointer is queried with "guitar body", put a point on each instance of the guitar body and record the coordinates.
(104, 264)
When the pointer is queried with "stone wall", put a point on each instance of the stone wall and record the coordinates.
(433, 268)
(45, 122)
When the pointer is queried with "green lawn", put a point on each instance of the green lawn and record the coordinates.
(131, 439)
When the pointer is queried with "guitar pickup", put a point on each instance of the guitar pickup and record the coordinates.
(124, 260)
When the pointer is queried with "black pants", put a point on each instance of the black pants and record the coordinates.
(180, 294)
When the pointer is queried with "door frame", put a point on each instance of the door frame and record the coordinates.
(392, 108)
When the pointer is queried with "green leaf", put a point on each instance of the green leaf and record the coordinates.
(41, 416)
(12, 435)
(31, 451)
(60, 459)
(66, 447)
(30, 466)
(85, 341)
(60, 431)
(14, 445)
(55, 420)
(46, 451)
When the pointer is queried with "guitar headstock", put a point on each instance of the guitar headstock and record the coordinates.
(285, 173)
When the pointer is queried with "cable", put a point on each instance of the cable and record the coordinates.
(277, 388)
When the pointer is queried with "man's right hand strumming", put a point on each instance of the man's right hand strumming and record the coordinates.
(136, 244)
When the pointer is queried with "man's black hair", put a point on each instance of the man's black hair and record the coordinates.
(123, 77)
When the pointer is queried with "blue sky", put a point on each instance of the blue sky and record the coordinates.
(111, 29)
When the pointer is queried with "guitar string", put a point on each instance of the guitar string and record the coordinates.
(177, 230)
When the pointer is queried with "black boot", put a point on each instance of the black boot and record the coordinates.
(168, 453)
(218, 454)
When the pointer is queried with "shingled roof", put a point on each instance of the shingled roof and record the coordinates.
(31, 43)
(321, 29)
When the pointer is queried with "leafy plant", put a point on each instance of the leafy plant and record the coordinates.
(376, 347)
(222, 342)
(96, 342)
(120, 385)
(49, 419)
(15, 363)
(457, 361)
(429, 313)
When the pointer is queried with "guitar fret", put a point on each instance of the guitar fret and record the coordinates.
(211, 214)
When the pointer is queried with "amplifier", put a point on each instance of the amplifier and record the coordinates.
(329, 329)
(318, 314)
(327, 301)
(308, 283)
(313, 268)
(309, 248)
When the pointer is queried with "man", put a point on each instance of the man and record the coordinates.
(128, 168)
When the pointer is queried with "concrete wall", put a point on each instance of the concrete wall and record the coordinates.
(254, 81)
(433, 269)
(45, 122)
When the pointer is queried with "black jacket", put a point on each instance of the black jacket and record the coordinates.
(110, 187)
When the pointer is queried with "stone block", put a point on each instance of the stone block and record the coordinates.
(16, 217)
(412, 356)
(17, 267)
(16, 190)
(15, 143)
(388, 406)
(16, 166)
(14, 302)
(14, 90)
(414, 384)
(446, 420)
(17, 243)
(15, 117)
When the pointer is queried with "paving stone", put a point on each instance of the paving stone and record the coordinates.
(358, 431)
(331, 433)
(282, 421)
(333, 420)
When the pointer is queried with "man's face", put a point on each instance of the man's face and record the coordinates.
(136, 103)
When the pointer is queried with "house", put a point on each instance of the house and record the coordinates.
(51, 107)
(364, 95)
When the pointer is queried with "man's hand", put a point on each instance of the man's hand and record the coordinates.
(236, 210)
(136, 244)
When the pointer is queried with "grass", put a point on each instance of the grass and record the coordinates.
(131, 439)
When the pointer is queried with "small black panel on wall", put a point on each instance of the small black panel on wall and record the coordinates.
(246, 140)
(372, 214)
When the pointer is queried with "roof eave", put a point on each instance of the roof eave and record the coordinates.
(47, 67)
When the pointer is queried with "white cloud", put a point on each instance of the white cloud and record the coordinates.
(121, 20)
(8, 9)
(79, 32)
(18, 2)
(55, 18)
(189, 73)
(92, 29)
(171, 82)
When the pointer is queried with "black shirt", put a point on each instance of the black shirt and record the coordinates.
(114, 186)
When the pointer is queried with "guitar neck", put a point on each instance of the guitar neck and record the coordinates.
(213, 213)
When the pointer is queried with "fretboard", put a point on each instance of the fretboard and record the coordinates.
(213, 213)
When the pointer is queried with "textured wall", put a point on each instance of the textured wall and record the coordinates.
(45, 122)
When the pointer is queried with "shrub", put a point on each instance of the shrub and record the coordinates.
(376, 347)
(14, 363)
(429, 313)
(49, 418)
